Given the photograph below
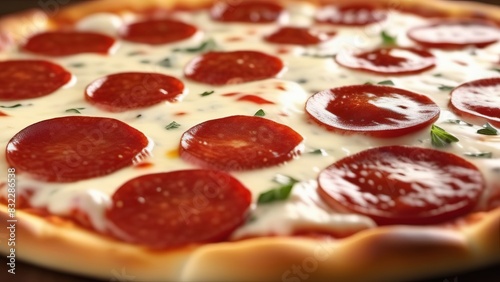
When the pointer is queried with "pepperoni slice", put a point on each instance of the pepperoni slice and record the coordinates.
(64, 43)
(455, 34)
(350, 15)
(239, 143)
(158, 31)
(73, 148)
(133, 90)
(388, 61)
(26, 79)
(220, 68)
(402, 185)
(375, 110)
(478, 99)
(178, 208)
(296, 36)
(247, 11)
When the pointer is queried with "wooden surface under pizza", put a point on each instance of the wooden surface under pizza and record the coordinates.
(251, 140)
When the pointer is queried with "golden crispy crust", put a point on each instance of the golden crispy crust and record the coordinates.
(394, 253)
(378, 254)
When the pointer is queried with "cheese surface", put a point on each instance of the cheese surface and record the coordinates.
(307, 71)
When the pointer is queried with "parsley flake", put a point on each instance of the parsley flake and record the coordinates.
(387, 39)
(385, 82)
(488, 130)
(441, 138)
(279, 193)
(74, 110)
(206, 93)
(486, 155)
(204, 46)
(260, 113)
(438, 75)
(11, 107)
(318, 152)
(172, 125)
(496, 69)
(443, 87)
(167, 63)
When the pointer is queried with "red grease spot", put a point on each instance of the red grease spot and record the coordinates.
(144, 165)
(254, 99)
(231, 94)
(180, 114)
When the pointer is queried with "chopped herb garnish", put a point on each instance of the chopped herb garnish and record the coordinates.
(260, 113)
(11, 107)
(316, 55)
(139, 116)
(437, 75)
(445, 87)
(457, 121)
(145, 61)
(441, 138)
(206, 93)
(495, 69)
(488, 130)
(318, 152)
(204, 46)
(387, 39)
(279, 193)
(385, 82)
(74, 110)
(135, 53)
(486, 155)
(77, 65)
(172, 125)
(301, 81)
(167, 63)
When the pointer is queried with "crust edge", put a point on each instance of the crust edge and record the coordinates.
(391, 252)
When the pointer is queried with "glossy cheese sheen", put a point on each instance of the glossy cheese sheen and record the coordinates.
(303, 76)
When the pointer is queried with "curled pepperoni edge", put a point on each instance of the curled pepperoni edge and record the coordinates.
(267, 143)
(178, 208)
(470, 114)
(435, 216)
(32, 150)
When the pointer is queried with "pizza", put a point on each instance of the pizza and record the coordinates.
(251, 140)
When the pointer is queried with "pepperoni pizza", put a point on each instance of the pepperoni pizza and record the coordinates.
(252, 140)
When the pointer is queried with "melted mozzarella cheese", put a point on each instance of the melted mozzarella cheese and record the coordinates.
(306, 73)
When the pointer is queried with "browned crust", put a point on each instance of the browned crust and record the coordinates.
(393, 253)
(377, 254)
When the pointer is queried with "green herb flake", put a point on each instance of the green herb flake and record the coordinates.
(279, 193)
(11, 107)
(459, 122)
(166, 63)
(387, 39)
(438, 75)
(207, 93)
(260, 113)
(74, 110)
(385, 82)
(487, 155)
(138, 116)
(488, 130)
(445, 87)
(441, 138)
(496, 69)
(172, 125)
(204, 46)
(318, 152)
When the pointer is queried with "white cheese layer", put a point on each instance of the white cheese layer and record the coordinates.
(306, 73)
